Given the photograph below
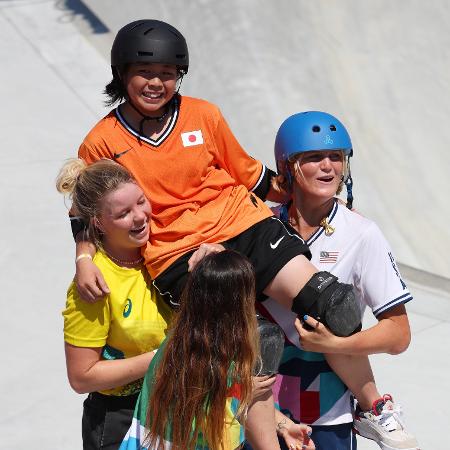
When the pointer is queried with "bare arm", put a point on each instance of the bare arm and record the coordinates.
(87, 372)
(259, 426)
(390, 335)
(89, 280)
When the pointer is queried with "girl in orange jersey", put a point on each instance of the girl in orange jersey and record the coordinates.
(203, 185)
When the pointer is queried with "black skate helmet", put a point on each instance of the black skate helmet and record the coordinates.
(149, 41)
(145, 41)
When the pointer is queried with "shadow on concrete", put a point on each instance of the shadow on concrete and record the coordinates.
(76, 9)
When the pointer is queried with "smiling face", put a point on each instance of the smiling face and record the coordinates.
(124, 219)
(319, 173)
(150, 86)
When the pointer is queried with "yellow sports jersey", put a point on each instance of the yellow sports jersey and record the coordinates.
(130, 321)
(196, 176)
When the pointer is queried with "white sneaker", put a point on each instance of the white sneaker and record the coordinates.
(384, 425)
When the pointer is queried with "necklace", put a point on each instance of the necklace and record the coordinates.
(294, 222)
(329, 230)
(125, 263)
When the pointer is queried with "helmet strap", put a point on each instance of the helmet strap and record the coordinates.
(349, 184)
(145, 118)
(180, 80)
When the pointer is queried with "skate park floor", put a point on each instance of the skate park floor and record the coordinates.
(54, 66)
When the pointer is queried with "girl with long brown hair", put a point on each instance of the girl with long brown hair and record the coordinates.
(198, 388)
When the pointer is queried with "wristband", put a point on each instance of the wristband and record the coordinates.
(83, 255)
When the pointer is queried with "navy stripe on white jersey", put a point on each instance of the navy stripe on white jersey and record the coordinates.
(393, 303)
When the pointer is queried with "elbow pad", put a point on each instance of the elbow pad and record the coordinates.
(330, 302)
(77, 224)
(271, 346)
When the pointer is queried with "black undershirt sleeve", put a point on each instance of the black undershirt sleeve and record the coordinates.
(264, 185)
(77, 224)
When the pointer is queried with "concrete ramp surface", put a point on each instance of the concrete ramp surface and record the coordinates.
(382, 67)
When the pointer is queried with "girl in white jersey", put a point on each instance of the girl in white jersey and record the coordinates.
(312, 151)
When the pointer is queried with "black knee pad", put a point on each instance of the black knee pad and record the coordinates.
(333, 303)
(271, 346)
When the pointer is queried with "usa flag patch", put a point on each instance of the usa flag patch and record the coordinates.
(191, 138)
(328, 257)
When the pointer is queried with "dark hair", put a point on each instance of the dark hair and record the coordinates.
(115, 90)
(214, 340)
(140, 42)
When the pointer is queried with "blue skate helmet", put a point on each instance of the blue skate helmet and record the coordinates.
(312, 131)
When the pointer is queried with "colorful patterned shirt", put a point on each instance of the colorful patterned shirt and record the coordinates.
(136, 435)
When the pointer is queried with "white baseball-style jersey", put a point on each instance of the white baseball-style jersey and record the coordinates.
(358, 253)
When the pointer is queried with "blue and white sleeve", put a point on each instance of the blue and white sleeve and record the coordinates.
(381, 283)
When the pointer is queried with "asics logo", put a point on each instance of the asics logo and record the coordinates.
(276, 244)
(127, 308)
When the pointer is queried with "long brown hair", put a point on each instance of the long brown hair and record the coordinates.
(213, 340)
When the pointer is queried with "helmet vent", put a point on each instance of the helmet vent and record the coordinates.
(316, 129)
(148, 31)
(136, 25)
(332, 128)
(145, 53)
(180, 56)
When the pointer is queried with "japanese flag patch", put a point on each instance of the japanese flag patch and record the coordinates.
(192, 138)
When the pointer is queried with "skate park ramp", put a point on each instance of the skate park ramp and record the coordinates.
(381, 67)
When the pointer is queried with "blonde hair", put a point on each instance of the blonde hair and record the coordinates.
(87, 185)
(281, 184)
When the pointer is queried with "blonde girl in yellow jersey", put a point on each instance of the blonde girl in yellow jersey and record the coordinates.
(110, 344)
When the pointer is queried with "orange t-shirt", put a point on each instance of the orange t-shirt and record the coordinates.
(196, 176)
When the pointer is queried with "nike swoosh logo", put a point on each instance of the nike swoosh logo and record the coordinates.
(274, 246)
(118, 155)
